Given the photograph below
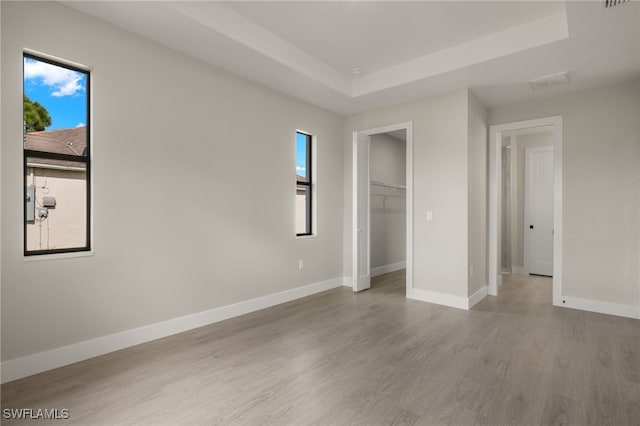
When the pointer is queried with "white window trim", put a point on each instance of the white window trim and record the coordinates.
(58, 256)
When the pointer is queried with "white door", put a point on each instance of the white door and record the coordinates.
(538, 211)
(362, 274)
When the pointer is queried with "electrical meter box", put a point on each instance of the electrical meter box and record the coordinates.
(49, 202)
(30, 203)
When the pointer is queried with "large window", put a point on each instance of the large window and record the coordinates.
(304, 185)
(57, 165)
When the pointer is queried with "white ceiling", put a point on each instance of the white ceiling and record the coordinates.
(398, 134)
(406, 50)
(346, 35)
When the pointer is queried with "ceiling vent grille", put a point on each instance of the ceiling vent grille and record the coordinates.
(608, 4)
(550, 80)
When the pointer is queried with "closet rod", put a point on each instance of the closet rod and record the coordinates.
(388, 185)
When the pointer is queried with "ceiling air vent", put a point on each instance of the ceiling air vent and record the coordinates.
(550, 80)
(608, 4)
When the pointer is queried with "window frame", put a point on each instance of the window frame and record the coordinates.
(308, 184)
(86, 159)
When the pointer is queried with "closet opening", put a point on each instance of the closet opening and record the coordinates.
(382, 214)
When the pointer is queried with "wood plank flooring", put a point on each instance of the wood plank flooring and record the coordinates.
(373, 358)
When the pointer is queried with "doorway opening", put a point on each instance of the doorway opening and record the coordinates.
(525, 201)
(382, 203)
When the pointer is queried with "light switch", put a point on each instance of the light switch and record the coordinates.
(429, 216)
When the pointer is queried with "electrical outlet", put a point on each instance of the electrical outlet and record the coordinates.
(300, 264)
(429, 216)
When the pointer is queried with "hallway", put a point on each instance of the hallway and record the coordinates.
(521, 294)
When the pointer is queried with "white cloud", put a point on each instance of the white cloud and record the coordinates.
(301, 169)
(80, 125)
(63, 81)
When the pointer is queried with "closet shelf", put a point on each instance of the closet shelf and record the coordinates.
(388, 185)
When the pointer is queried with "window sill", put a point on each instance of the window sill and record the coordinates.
(55, 256)
(306, 237)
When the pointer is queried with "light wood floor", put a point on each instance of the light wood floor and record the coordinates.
(372, 358)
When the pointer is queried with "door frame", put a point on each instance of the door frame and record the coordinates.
(408, 127)
(358, 229)
(526, 243)
(495, 201)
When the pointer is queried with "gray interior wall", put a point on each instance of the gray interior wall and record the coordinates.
(506, 206)
(388, 206)
(601, 188)
(477, 193)
(193, 183)
(440, 144)
(1, 202)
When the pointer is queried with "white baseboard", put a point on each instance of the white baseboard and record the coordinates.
(618, 309)
(477, 296)
(348, 281)
(26, 366)
(438, 298)
(388, 268)
(445, 299)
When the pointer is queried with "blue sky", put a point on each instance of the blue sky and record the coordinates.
(61, 91)
(301, 154)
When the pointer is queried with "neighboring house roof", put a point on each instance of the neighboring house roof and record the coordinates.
(301, 178)
(63, 141)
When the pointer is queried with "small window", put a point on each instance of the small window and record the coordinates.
(56, 157)
(304, 185)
